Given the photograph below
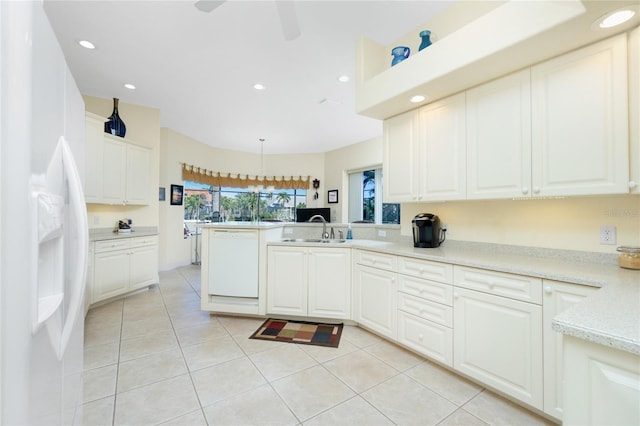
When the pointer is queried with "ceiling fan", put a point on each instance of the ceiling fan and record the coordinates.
(286, 11)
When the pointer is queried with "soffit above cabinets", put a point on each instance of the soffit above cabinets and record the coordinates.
(509, 36)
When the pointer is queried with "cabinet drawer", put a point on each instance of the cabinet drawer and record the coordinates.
(431, 311)
(144, 241)
(430, 290)
(377, 260)
(517, 287)
(112, 245)
(426, 337)
(436, 271)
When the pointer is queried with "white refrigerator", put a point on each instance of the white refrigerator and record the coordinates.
(43, 224)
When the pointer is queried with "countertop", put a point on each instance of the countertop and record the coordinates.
(611, 316)
(240, 225)
(101, 234)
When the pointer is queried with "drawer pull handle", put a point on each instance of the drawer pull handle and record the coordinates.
(547, 289)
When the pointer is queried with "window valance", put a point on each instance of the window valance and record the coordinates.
(208, 177)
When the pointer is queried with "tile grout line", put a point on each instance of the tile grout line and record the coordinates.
(195, 390)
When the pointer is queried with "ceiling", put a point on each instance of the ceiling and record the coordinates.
(199, 68)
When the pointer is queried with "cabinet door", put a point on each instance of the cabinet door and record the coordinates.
(499, 342)
(443, 157)
(94, 130)
(400, 158)
(580, 122)
(287, 281)
(114, 170)
(111, 274)
(601, 384)
(330, 283)
(499, 138)
(144, 266)
(557, 297)
(375, 300)
(138, 173)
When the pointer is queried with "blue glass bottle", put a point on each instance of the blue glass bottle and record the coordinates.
(115, 125)
(426, 39)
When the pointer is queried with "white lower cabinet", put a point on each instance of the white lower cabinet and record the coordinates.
(601, 384)
(425, 314)
(305, 281)
(557, 297)
(498, 340)
(375, 299)
(124, 265)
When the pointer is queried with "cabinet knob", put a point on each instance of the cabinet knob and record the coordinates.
(456, 295)
(422, 270)
(492, 285)
(525, 190)
(536, 190)
(547, 289)
(420, 337)
(632, 184)
(393, 279)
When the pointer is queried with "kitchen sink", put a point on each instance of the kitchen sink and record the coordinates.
(312, 240)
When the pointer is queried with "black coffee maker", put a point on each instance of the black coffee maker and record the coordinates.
(427, 231)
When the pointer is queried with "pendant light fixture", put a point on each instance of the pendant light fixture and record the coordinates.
(258, 188)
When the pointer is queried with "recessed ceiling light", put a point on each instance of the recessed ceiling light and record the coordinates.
(259, 86)
(417, 98)
(130, 86)
(343, 78)
(615, 18)
(86, 44)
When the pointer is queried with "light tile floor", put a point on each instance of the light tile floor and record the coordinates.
(155, 358)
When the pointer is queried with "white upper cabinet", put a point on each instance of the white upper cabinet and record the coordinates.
(424, 153)
(94, 128)
(442, 139)
(400, 158)
(580, 131)
(499, 138)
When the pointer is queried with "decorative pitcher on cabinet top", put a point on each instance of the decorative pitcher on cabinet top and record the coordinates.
(399, 53)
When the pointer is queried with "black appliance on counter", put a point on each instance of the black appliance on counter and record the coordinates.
(303, 215)
(427, 231)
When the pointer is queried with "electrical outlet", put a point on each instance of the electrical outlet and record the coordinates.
(382, 233)
(608, 235)
(96, 220)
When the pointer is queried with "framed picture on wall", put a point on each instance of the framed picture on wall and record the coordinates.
(177, 191)
(332, 196)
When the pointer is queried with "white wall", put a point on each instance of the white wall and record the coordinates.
(177, 148)
(339, 162)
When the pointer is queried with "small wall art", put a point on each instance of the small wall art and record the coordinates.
(332, 196)
(177, 192)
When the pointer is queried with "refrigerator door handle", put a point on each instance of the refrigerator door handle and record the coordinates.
(80, 231)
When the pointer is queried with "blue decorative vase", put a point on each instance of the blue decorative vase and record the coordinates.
(115, 125)
(399, 53)
(426, 39)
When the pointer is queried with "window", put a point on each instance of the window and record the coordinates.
(221, 204)
(363, 202)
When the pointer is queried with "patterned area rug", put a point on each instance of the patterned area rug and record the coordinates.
(306, 333)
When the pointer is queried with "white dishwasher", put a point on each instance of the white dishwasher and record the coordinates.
(233, 263)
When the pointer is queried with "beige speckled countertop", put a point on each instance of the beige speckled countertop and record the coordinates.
(611, 316)
(101, 234)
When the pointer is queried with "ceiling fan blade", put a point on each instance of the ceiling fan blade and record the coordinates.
(208, 5)
(288, 19)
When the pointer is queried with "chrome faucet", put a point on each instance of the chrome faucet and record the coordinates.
(325, 234)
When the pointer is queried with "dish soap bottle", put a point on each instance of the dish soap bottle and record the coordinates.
(349, 236)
